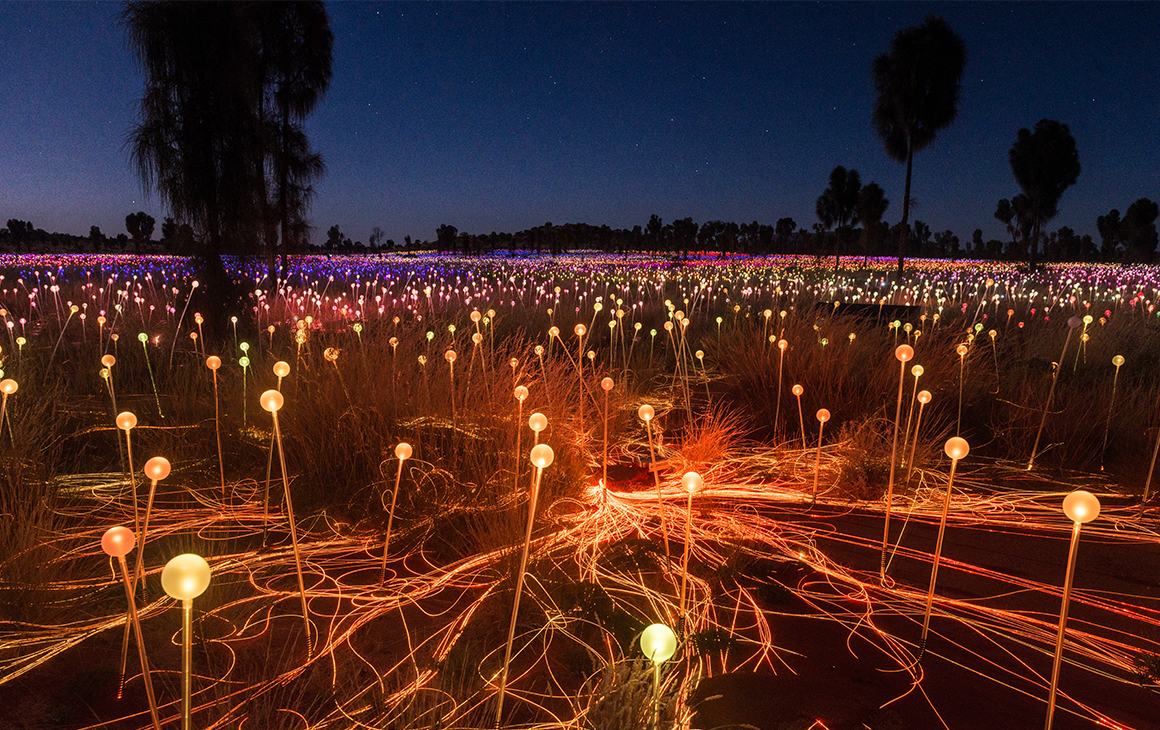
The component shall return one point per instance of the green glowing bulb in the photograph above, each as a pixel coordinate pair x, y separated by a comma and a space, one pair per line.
430, 335
244, 362
143, 337
245, 346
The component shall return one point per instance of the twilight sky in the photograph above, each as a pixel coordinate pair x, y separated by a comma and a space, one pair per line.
495, 116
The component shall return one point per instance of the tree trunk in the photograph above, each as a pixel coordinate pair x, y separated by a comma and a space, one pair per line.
905, 207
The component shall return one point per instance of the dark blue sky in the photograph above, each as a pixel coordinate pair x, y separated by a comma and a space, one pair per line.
498, 116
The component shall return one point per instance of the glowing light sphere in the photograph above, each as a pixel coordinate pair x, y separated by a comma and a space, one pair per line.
823, 415
118, 541
956, 448
476, 316
542, 456
1118, 360
580, 330
142, 337
659, 643
1081, 506
924, 396
244, 347
331, 354
244, 362
554, 332
646, 413
608, 384
108, 361
521, 393
213, 362
450, 356
961, 350
917, 371
272, 401
157, 468
692, 482
403, 451
185, 577
126, 421
904, 353
782, 344
797, 390
476, 338
8, 386
537, 422
539, 350
281, 368
514, 363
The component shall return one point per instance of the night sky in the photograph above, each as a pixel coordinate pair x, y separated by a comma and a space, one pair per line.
498, 117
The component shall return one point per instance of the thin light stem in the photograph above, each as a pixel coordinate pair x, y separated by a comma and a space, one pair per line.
657, 478
293, 529
1047, 406
186, 661
893, 464
390, 520
519, 588
133, 618
942, 526
1062, 624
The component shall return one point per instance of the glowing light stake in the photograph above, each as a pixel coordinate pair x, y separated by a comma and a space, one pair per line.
797, 390
156, 469
1118, 360
659, 643
449, 356
144, 340
244, 362
184, 578
213, 362
693, 483
646, 414
541, 457
903, 353
923, 399
823, 416
273, 401
607, 384
917, 372
781, 345
108, 361
73, 309
126, 422
580, 330
961, 351
521, 395
1080, 507
8, 387
402, 452
281, 370
1071, 325
956, 448
117, 542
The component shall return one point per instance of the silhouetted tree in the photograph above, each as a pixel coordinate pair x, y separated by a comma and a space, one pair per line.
872, 205
1045, 163
917, 86
445, 237
1140, 230
1111, 234
140, 228
784, 228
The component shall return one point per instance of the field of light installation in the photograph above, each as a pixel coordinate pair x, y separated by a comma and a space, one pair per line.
844, 495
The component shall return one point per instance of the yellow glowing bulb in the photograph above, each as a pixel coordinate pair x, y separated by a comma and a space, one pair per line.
185, 577
281, 368
1118, 360
108, 361
659, 643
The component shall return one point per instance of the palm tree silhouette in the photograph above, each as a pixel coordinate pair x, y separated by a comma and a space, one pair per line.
917, 85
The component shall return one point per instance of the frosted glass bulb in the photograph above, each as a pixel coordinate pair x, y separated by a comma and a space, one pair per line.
157, 468
126, 420
272, 401
281, 368
692, 482
659, 643
1081, 506
646, 413
823, 415
185, 577
213, 362
956, 448
542, 456
118, 541
537, 422
904, 353
403, 451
